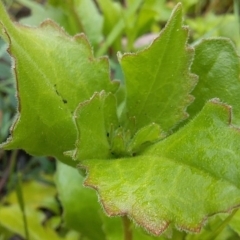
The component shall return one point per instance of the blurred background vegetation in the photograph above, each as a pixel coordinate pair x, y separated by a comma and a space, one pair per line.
111, 26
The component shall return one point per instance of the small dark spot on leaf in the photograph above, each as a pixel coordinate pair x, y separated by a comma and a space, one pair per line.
107, 134
64, 101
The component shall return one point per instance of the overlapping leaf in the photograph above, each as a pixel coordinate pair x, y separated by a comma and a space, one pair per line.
158, 80
81, 209
54, 73
99, 133
182, 180
218, 66
96, 120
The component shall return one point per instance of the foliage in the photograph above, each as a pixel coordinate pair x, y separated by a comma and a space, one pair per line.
116, 21
36, 195
160, 149
134, 19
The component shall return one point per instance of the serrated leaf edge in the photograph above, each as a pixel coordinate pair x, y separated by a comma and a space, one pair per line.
189, 50
165, 225
45, 24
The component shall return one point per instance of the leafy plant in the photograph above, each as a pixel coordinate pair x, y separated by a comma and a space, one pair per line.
114, 21
36, 195
166, 157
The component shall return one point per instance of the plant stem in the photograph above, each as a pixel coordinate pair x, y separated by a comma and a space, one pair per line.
127, 228
119, 27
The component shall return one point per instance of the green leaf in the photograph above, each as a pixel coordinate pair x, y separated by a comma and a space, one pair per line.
82, 211
235, 223
85, 215
145, 135
112, 13
217, 228
119, 27
89, 18
97, 122
54, 73
158, 81
73, 235
36, 195
40, 12
112, 227
181, 180
74, 15
212, 25
151, 11
96, 119
4, 233
11, 219
217, 64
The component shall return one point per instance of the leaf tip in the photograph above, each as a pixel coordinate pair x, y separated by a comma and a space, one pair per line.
177, 10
